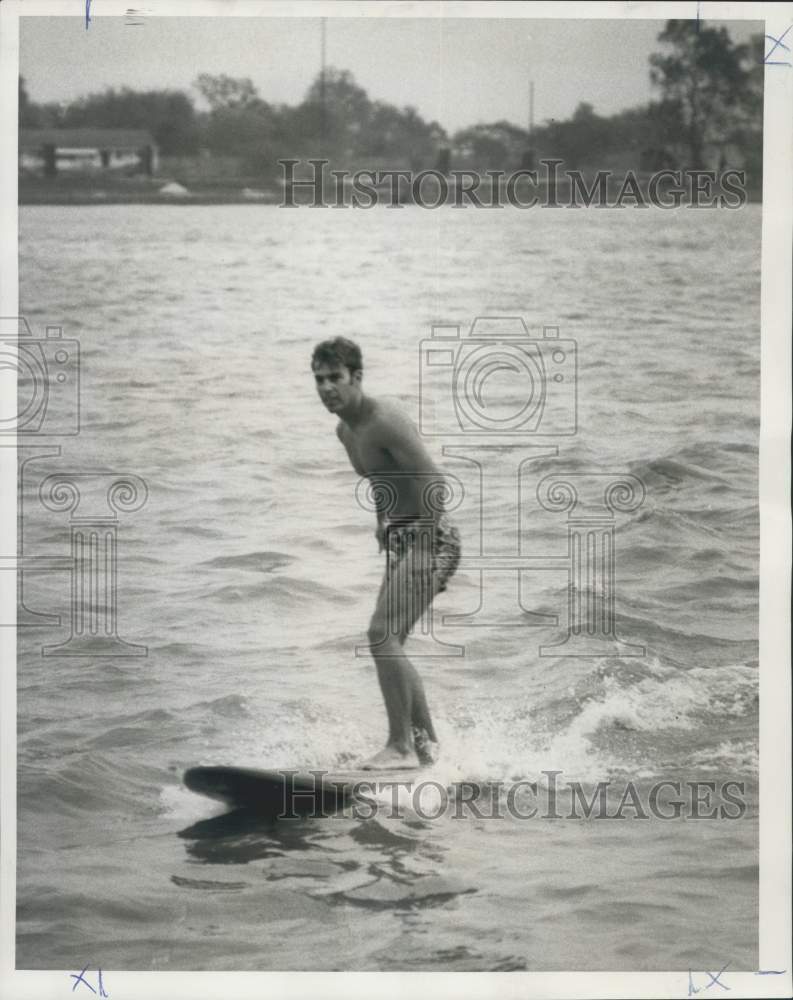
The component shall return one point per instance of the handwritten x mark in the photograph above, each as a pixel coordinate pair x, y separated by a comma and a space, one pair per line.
777, 43
714, 980
80, 979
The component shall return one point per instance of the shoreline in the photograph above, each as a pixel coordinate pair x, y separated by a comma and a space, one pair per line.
234, 198
167, 191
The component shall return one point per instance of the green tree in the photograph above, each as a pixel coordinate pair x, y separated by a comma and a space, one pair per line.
705, 79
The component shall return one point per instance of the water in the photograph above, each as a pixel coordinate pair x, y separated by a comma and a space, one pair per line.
250, 574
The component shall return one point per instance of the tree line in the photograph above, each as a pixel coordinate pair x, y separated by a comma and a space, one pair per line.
709, 105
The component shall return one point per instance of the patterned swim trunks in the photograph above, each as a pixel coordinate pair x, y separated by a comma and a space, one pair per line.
432, 548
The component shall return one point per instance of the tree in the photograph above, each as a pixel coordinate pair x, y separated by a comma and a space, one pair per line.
398, 136
239, 122
337, 119
227, 92
580, 142
704, 79
339, 111
28, 118
32, 115
168, 114
493, 146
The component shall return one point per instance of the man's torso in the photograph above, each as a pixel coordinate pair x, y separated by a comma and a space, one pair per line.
371, 459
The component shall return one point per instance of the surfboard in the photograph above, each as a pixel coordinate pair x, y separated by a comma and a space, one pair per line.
290, 793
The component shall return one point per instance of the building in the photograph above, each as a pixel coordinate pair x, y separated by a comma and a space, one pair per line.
86, 150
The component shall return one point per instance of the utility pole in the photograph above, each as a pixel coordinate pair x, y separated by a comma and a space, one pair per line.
531, 108
323, 112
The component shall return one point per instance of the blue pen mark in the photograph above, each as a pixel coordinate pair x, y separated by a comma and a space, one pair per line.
87, 13
714, 978
770, 972
699, 5
80, 978
778, 42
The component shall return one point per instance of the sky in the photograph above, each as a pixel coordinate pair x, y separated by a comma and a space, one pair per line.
457, 71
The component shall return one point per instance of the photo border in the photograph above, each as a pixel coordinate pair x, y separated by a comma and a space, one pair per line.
775, 545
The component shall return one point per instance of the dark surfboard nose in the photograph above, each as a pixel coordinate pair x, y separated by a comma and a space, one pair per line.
213, 782
284, 794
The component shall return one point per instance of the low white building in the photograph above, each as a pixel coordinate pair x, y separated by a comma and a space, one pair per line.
70, 150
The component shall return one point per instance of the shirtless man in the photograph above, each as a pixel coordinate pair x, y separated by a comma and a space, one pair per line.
384, 446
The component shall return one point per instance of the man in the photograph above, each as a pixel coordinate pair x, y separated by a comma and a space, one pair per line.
422, 545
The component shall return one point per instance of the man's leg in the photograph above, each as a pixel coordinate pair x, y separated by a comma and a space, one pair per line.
420, 715
402, 600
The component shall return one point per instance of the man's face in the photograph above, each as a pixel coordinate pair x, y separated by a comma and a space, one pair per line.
337, 385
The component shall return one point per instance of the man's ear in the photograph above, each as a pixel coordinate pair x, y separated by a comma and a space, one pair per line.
357, 376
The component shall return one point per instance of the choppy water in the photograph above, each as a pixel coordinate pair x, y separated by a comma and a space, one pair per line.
251, 572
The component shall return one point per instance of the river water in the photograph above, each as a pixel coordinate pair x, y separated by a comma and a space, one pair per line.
250, 572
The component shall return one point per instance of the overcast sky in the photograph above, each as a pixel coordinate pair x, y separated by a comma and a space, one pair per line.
456, 71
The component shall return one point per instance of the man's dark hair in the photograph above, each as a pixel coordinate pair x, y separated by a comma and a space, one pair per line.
338, 351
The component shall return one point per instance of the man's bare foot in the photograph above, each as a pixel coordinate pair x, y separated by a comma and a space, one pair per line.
427, 750
390, 757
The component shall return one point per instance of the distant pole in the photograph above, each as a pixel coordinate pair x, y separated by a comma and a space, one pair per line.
531, 108
322, 79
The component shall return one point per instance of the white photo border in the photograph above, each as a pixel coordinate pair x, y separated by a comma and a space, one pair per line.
775, 932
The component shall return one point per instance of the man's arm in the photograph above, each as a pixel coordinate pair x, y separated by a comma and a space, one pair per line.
380, 529
350, 454
399, 436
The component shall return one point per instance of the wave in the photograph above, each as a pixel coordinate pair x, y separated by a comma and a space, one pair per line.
227, 706
666, 473
701, 461
262, 562
286, 590
193, 530
93, 781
